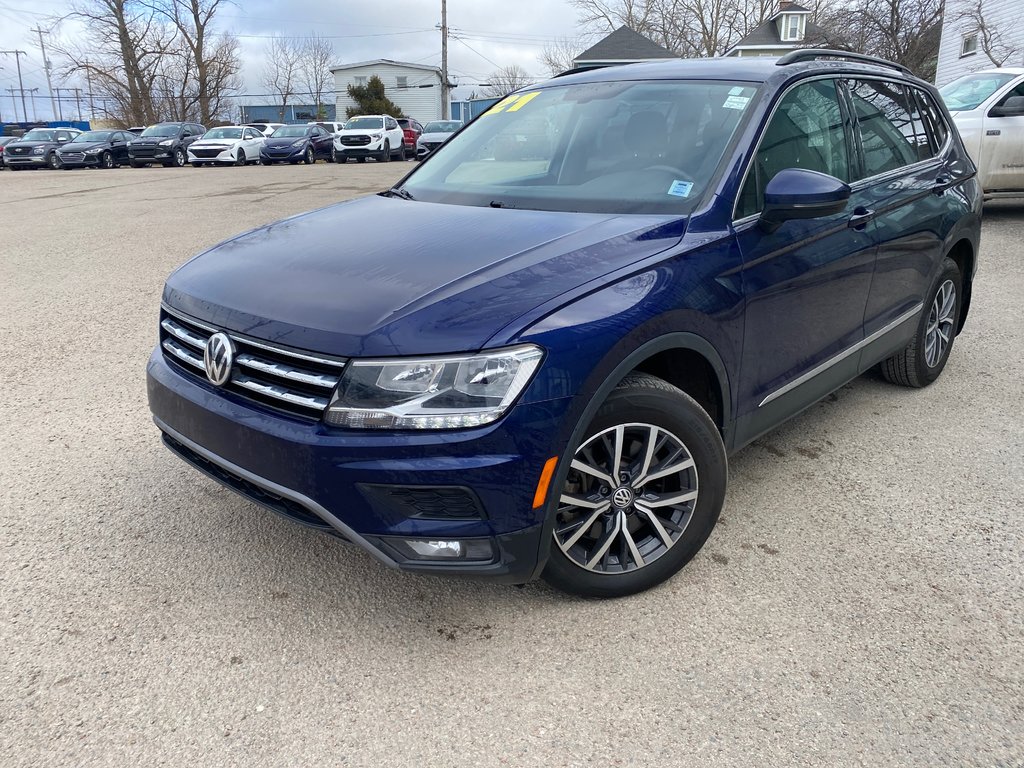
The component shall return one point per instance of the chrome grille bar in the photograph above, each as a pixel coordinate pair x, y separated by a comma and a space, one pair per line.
183, 354
287, 372
273, 390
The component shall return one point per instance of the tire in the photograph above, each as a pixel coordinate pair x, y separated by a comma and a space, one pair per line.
641, 412
309, 158
266, 162
360, 159
385, 156
107, 161
179, 158
334, 154
240, 159
924, 359
54, 162
197, 165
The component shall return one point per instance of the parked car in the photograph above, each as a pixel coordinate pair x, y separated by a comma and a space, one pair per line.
434, 135
4, 141
376, 136
164, 143
331, 127
265, 128
96, 149
552, 385
37, 148
411, 131
233, 144
292, 143
988, 109
136, 129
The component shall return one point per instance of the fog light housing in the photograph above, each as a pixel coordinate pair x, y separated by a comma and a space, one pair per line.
442, 550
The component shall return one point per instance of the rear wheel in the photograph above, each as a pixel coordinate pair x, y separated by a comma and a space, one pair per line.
334, 154
644, 490
925, 357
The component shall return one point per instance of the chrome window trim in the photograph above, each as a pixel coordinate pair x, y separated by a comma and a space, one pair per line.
822, 367
280, 490
859, 183
335, 362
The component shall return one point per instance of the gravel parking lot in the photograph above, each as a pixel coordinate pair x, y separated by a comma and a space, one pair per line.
859, 604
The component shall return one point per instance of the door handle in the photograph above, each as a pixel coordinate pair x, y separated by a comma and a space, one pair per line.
861, 217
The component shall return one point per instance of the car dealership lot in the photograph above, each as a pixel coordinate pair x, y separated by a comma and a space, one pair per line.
859, 603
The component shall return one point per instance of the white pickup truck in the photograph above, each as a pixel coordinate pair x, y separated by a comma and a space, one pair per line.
988, 110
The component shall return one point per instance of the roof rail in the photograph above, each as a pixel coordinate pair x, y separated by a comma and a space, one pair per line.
811, 54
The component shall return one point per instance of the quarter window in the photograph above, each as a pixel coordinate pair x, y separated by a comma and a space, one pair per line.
890, 135
807, 132
936, 123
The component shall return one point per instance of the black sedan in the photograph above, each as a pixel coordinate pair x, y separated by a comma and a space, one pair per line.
38, 148
96, 149
292, 143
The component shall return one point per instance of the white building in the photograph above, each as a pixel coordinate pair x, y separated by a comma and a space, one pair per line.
414, 88
965, 40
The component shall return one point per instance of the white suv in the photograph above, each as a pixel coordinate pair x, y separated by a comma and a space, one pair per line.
376, 136
988, 110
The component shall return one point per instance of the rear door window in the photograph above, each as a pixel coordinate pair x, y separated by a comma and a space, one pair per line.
806, 131
891, 135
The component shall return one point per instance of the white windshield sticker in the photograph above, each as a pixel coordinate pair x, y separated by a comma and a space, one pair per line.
736, 102
680, 188
737, 91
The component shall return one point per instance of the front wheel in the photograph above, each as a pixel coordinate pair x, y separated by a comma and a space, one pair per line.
643, 492
106, 160
923, 360
54, 162
385, 156
309, 158
179, 158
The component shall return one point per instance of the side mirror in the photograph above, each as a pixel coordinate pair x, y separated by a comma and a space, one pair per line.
795, 193
1012, 107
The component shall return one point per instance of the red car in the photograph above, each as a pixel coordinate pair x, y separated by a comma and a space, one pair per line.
412, 130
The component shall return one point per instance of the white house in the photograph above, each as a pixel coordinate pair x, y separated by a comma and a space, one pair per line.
414, 88
786, 30
972, 41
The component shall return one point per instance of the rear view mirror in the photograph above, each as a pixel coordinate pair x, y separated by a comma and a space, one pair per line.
1012, 107
795, 193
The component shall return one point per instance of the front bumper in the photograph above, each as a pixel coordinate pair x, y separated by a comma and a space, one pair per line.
29, 161
367, 150
324, 477
159, 156
226, 156
86, 161
283, 156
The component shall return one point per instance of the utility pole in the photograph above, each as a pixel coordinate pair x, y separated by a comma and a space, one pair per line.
444, 59
35, 115
14, 101
46, 67
21, 85
88, 83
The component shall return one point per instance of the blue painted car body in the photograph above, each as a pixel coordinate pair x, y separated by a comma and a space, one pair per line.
601, 294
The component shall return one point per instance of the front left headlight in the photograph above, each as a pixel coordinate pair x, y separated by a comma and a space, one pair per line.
94, 151
432, 392
166, 142
38, 150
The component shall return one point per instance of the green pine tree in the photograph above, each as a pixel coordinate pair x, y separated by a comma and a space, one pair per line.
370, 100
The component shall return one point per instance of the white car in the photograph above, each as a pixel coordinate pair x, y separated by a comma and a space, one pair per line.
265, 128
434, 135
988, 110
376, 136
335, 128
235, 144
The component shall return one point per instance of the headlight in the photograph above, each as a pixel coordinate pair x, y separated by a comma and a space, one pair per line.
131, 143
298, 143
376, 135
94, 151
432, 392
38, 150
166, 142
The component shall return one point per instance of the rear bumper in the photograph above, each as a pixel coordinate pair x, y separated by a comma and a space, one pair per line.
324, 478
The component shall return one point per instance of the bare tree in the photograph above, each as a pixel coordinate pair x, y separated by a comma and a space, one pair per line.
990, 36
505, 80
282, 72
317, 55
558, 56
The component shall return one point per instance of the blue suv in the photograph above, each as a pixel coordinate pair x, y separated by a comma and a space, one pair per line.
533, 355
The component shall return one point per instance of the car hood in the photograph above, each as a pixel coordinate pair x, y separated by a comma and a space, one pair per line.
14, 144
433, 137
358, 131
214, 143
384, 276
82, 146
284, 142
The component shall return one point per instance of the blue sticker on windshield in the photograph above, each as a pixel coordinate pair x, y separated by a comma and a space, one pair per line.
680, 188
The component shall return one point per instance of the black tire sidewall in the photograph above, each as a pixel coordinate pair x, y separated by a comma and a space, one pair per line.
673, 410
924, 373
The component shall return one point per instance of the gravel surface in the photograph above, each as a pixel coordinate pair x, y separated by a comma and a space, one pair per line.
859, 604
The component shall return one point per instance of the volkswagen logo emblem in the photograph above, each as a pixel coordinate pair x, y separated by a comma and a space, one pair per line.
218, 357
622, 497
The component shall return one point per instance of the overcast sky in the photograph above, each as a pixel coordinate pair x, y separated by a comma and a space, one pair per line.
485, 34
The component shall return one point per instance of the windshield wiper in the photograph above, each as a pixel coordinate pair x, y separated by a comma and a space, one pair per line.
401, 192
499, 204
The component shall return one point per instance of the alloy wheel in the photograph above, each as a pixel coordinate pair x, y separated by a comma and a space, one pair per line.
939, 330
629, 496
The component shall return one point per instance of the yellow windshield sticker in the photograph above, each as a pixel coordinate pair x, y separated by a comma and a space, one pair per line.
512, 103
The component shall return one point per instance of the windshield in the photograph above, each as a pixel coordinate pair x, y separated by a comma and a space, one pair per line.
223, 133
442, 126
969, 91
92, 136
290, 131
364, 123
161, 130
37, 135
620, 147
